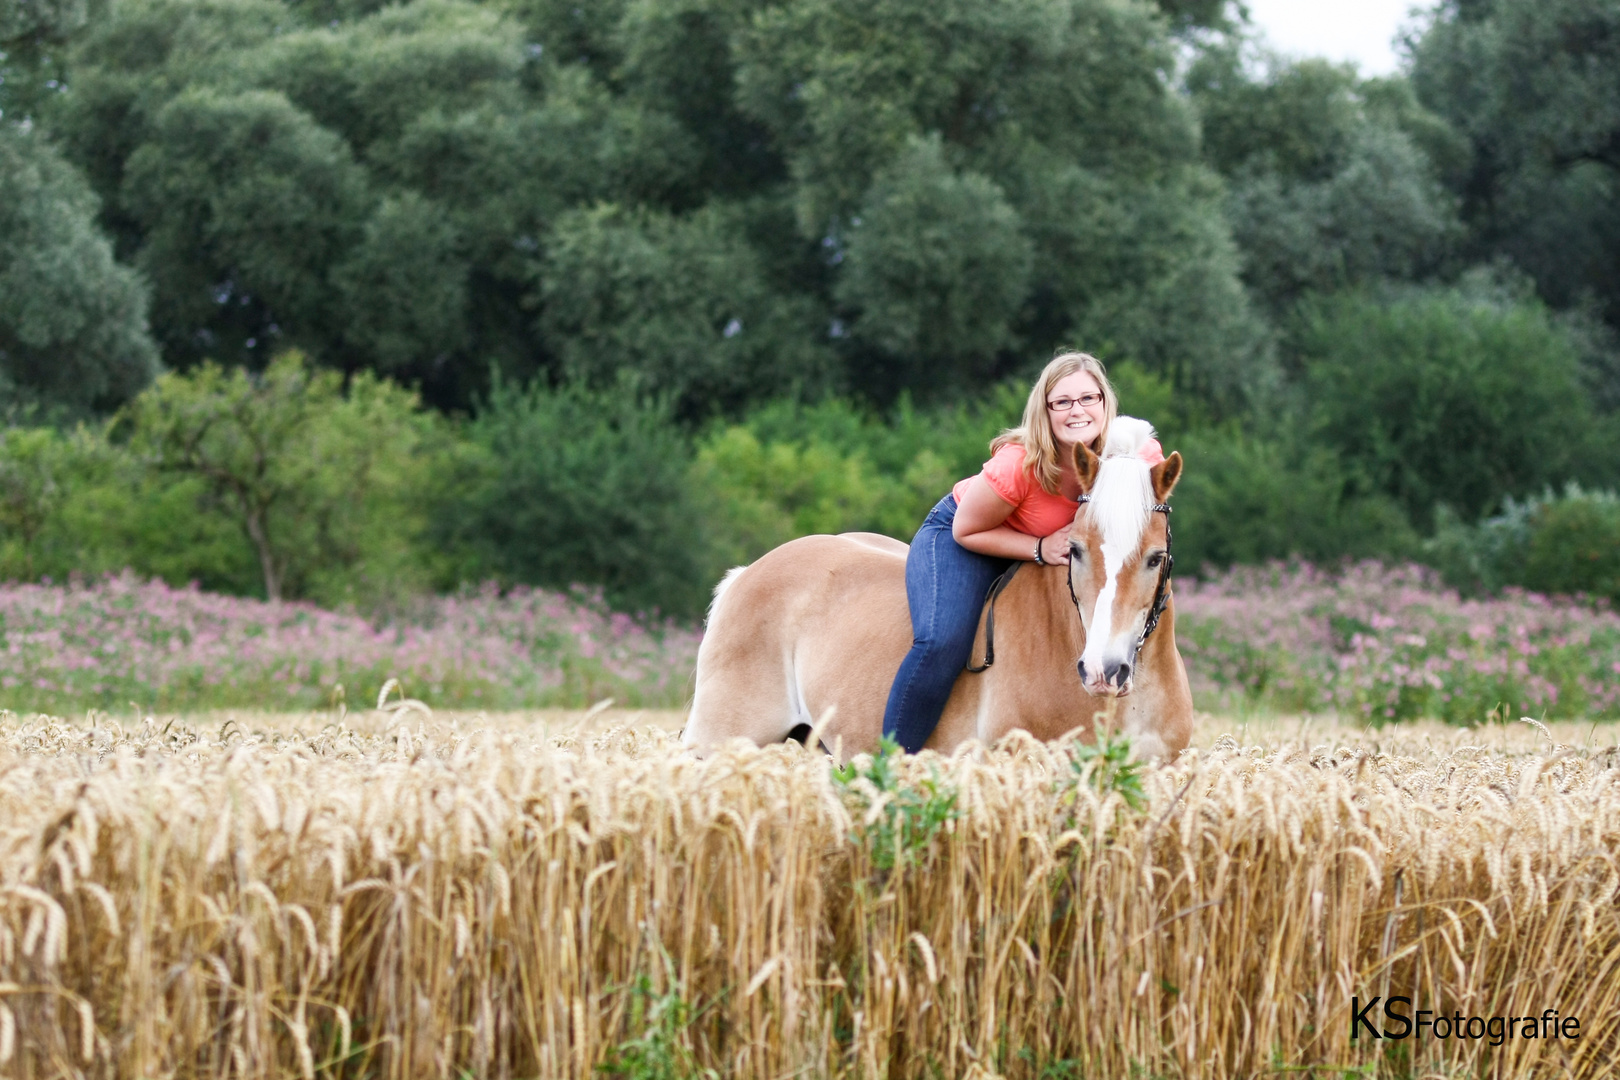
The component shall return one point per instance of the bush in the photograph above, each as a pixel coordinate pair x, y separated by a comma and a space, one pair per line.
1247, 499
790, 469
1444, 396
1568, 544
581, 485
76, 504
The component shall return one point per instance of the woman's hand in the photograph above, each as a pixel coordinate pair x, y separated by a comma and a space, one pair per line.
1055, 548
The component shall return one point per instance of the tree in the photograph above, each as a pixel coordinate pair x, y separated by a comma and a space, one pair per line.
588, 486
1062, 106
1332, 180
322, 483
31, 34
1535, 88
1452, 396
72, 320
678, 306
936, 269
246, 205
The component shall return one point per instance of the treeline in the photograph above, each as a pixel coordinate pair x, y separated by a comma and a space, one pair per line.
624, 292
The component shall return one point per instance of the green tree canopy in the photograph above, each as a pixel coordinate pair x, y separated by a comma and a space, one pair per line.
1333, 180
880, 195
1534, 85
322, 483
72, 321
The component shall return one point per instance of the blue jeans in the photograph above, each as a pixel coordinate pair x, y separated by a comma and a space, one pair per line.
945, 588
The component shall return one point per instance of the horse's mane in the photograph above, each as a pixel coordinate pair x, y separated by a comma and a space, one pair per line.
1122, 496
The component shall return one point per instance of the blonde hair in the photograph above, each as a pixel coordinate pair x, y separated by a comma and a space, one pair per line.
1035, 433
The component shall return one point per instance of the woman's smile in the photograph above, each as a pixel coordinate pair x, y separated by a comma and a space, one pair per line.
1076, 408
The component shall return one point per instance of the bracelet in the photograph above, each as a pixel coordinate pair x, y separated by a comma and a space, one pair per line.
1038, 560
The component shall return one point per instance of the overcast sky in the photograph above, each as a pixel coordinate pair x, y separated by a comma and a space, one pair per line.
1359, 30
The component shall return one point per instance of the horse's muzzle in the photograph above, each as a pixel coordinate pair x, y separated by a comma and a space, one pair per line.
1113, 681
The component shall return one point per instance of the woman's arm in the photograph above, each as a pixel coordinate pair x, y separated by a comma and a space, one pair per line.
978, 527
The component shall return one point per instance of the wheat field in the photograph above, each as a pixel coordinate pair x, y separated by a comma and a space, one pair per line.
404, 894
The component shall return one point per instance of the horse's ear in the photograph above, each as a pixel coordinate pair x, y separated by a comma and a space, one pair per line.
1086, 465
1165, 474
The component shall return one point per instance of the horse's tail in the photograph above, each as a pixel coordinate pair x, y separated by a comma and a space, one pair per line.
720, 593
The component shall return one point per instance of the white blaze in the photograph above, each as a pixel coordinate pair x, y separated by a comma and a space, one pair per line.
1120, 503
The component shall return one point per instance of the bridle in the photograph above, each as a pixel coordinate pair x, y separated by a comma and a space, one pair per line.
1161, 592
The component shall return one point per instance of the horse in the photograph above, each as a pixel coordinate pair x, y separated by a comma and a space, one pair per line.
813, 632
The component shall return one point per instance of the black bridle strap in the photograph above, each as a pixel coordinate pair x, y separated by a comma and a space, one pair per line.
1161, 595
1161, 591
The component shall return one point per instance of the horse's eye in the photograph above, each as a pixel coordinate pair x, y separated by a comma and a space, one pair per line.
1155, 560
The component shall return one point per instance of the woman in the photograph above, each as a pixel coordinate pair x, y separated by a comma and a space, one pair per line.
1019, 507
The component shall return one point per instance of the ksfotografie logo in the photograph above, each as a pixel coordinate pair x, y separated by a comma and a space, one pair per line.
1425, 1023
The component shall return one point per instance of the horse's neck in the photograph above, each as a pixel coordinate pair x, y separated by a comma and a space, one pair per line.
1045, 611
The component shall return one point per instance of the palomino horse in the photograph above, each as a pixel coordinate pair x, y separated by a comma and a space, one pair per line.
815, 630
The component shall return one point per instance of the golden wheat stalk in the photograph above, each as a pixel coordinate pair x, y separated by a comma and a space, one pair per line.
425, 898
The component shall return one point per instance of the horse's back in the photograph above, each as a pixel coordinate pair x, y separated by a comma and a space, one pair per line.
820, 622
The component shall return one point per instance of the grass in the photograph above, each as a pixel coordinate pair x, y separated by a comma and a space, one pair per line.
401, 893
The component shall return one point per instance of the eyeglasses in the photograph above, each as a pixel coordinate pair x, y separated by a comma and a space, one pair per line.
1064, 404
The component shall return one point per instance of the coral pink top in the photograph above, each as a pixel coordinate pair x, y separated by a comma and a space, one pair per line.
1035, 511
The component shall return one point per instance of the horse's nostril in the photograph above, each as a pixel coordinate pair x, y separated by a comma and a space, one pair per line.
1117, 673
1081, 667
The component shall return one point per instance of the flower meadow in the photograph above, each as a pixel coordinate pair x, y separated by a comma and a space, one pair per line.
1368, 642
120, 641
1385, 643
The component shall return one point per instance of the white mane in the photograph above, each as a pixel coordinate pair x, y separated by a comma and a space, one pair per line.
1122, 496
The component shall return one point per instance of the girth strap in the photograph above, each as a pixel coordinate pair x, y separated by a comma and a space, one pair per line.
996, 589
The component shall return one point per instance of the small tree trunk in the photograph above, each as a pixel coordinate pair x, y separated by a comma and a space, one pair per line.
260, 535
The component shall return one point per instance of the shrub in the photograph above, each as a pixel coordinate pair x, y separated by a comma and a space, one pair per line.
328, 484
580, 485
1247, 499
1567, 543
1444, 396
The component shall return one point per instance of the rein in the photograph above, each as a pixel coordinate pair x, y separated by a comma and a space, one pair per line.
1161, 593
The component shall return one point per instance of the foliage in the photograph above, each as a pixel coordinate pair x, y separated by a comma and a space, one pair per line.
31, 488
730, 201
1333, 180
660, 1051
788, 470
1565, 543
899, 816
1535, 89
1105, 764
763, 268
99, 509
682, 306
325, 485
72, 321
1327, 189
1247, 498
575, 484
937, 268
1444, 396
